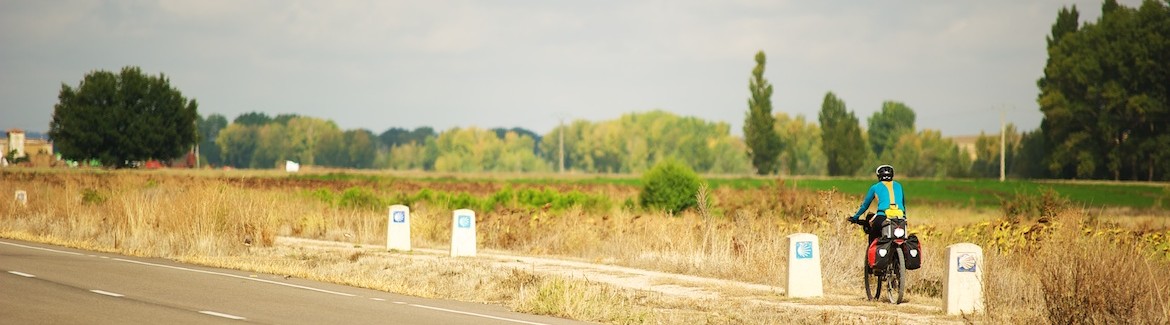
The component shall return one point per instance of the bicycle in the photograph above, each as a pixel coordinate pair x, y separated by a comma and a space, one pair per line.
889, 259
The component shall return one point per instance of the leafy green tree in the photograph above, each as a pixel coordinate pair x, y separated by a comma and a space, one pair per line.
888, 125
763, 143
635, 141
802, 155
208, 131
1029, 162
284, 118
237, 143
393, 137
928, 154
986, 163
253, 119
410, 156
123, 118
361, 148
330, 150
502, 132
305, 135
845, 150
399, 136
573, 133
272, 146
477, 150
1104, 96
728, 156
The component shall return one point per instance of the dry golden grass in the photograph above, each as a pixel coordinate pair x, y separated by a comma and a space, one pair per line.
1033, 269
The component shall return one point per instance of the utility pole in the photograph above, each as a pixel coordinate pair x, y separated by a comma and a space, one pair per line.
562, 145
1002, 143
197, 143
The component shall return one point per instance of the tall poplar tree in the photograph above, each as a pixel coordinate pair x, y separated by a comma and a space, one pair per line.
763, 144
841, 137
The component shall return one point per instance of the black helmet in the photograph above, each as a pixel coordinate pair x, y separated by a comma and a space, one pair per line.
885, 173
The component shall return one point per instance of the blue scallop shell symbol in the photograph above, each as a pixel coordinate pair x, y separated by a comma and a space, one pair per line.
804, 249
399, 216
464, 221
966, 263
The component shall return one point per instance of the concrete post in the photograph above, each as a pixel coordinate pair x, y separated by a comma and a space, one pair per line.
21, 197
804, 266
398, 228
963, 285
463, 233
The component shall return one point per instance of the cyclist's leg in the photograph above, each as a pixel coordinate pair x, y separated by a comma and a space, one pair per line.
875, 228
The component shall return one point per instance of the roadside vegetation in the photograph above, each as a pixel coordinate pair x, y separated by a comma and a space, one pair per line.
1052, 260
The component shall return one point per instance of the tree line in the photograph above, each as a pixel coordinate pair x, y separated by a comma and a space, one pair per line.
1103, 93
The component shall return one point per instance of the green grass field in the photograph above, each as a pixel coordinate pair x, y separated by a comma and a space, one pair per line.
990, 193
986, 193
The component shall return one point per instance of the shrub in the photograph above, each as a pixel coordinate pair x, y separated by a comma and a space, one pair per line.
464, 200
91, 196
324, 195
670, 185
359, 198
1046, 204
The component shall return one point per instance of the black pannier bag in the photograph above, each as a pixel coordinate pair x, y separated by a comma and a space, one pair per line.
879, 253
912, 251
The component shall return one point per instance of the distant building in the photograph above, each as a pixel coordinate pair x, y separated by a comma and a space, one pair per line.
38, 151
966, 143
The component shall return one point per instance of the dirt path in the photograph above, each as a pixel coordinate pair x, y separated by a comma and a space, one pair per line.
678, 285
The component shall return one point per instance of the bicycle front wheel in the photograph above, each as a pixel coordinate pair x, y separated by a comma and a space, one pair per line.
896, 278
873, 284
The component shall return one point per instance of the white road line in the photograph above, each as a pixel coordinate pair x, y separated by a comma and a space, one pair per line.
236, 276
111, 294
22, 274
212, 313
477, 315
191, 270
40, 248
270, 282
378, 299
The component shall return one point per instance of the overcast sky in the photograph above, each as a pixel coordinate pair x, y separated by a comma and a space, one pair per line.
444, 64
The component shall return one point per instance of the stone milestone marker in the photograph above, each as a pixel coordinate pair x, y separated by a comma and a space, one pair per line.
398, 228
804, 266
21, 197
963, 285
463, 233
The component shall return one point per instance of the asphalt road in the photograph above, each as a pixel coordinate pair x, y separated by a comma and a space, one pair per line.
43, 284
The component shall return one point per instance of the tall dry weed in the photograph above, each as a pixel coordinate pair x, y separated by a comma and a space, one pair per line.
1089, 279
140, 214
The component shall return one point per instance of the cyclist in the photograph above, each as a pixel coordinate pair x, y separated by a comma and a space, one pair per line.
882, 190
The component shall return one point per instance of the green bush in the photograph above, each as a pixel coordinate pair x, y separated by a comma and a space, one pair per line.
323, 194
1045, 204
359, 198
670, 185
91, 196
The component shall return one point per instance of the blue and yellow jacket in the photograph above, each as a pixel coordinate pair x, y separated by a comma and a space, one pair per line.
881, 190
